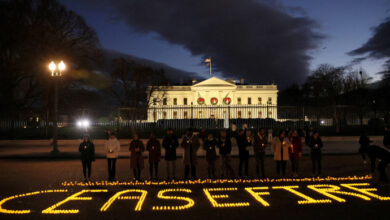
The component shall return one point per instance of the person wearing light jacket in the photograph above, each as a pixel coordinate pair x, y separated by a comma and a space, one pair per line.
280, 148
112, 148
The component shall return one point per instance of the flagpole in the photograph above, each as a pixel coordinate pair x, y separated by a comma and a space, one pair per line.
210, 66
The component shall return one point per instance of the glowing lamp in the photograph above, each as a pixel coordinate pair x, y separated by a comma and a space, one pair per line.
52, 66
61, 66
84, 123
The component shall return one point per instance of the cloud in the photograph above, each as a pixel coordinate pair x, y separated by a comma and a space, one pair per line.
260, 41
378, 46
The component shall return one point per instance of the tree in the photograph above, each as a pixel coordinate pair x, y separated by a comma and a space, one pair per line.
291, 96
384, 87
38, 31
334, 86
133, 85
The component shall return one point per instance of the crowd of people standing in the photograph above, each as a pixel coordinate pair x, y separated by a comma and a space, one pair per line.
285, 146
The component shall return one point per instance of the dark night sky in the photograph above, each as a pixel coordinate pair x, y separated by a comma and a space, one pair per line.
262, 41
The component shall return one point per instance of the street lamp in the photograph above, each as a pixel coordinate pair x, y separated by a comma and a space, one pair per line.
56, 72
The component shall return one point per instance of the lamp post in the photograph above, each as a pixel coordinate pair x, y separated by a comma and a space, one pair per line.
56, 73
374, 105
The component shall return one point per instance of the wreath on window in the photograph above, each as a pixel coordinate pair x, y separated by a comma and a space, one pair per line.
200, 101
227, 100
214, 101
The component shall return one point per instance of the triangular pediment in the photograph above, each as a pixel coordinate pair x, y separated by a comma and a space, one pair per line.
214, 82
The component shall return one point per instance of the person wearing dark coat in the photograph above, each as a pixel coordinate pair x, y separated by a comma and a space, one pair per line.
154, 148
170, 143
386, 137
108, 134
209, 146
190, 143
309, 134
136, 158
364, 142
295, 151
316, 154
224, 145
243, 142
203, 135
376, 152
259, 145
87, 150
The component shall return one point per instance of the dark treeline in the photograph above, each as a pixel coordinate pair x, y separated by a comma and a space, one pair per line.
35, 32
333, 87
329, 85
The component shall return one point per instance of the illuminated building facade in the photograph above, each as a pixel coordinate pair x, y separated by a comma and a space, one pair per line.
213, 98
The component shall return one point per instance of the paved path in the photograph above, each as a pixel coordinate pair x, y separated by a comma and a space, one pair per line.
22, 176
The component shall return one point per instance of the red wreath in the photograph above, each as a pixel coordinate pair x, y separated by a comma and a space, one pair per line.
214, 101
227, 100
200, 101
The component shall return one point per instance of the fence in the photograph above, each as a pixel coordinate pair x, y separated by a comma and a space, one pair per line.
329, 120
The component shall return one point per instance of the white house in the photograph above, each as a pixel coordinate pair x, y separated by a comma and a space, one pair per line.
212, 98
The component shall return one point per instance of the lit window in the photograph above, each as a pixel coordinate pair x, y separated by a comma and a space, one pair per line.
185, 101
238, 114
185, 115
249, 101
174, 115
269, 113
175, 101
239, 101
259, 100
260, 114
249, 114
164, 115
165, 101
